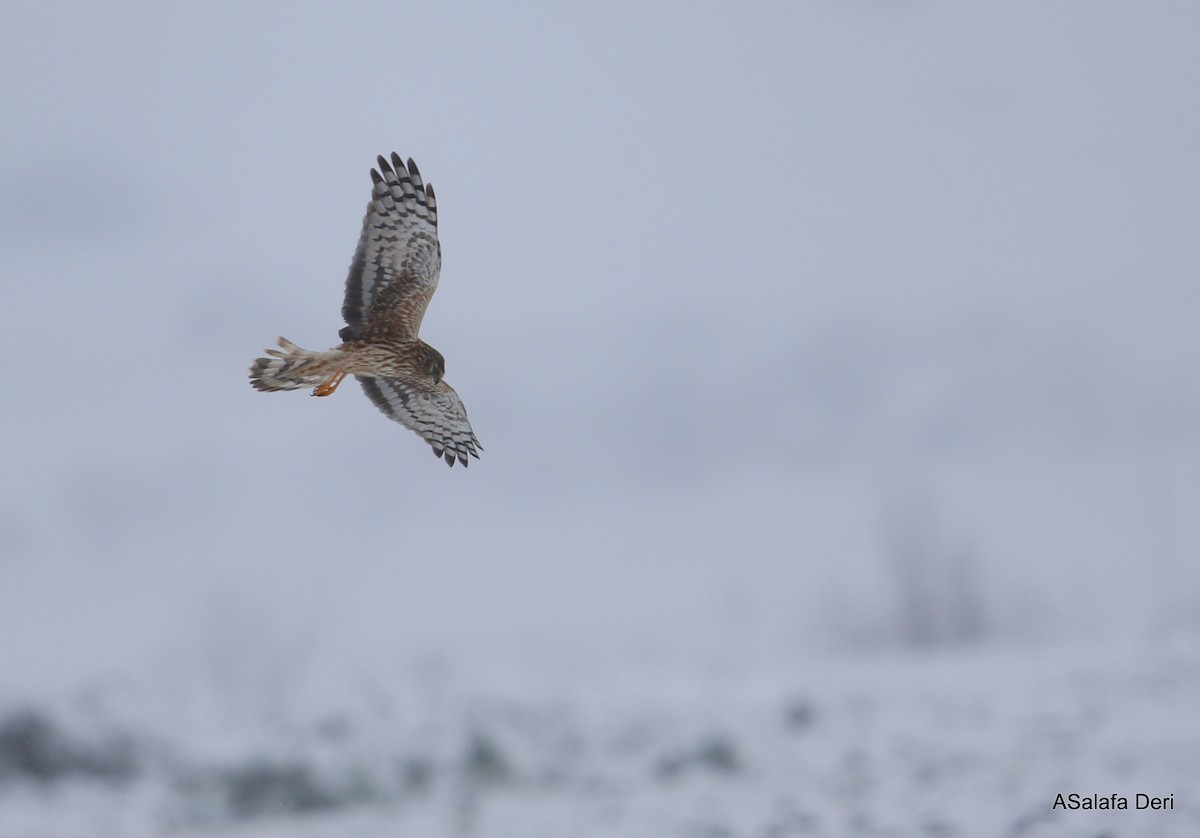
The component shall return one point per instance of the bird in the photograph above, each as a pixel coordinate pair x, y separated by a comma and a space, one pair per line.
391, 280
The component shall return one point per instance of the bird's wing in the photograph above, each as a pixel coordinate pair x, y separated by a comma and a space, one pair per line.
395, 268
434, 411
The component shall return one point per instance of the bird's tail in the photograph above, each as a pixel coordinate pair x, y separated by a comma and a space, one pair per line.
292, 367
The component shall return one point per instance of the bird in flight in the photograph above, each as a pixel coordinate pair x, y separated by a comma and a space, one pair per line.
392, 278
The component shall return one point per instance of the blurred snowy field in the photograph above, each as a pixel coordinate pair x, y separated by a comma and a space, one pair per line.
836, 365
947, 745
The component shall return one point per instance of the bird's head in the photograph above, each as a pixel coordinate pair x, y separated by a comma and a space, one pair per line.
433, 364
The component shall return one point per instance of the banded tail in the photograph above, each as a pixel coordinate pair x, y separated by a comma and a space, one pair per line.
293, 367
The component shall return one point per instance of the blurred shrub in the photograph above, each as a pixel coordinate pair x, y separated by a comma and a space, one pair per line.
266, 787
716, 754
33, 747
485, 763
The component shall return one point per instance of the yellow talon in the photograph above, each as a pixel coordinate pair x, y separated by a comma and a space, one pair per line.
326, 387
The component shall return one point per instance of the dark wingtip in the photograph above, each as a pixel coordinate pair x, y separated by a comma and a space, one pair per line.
383, 163
376, 177
397, 161
412, 168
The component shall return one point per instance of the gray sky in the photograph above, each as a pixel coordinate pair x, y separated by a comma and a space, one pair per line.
725, 289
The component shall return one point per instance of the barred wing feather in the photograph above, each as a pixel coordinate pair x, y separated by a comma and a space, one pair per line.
396, 266
435, 412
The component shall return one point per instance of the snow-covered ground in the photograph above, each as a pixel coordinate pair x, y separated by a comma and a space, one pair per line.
945, 744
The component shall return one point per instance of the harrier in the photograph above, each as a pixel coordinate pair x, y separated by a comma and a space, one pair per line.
392, 278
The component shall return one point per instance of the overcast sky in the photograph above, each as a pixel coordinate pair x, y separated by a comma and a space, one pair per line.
726, 289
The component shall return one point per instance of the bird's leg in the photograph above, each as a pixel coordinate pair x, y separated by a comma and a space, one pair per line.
326, 387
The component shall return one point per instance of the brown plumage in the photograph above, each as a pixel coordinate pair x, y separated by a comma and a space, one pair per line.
391, 280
